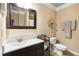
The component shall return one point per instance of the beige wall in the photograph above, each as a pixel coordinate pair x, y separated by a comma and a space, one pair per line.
43, 15
70, 13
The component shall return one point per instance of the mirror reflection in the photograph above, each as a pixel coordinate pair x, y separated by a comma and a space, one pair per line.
22, 17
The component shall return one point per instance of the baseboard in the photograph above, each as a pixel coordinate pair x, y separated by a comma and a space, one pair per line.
75, 53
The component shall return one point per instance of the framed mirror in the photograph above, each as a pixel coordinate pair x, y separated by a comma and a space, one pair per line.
20, 18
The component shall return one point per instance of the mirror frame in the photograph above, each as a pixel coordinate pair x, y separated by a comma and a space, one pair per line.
8, 20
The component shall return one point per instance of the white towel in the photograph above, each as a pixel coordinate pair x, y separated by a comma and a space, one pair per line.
67, 29
73, 24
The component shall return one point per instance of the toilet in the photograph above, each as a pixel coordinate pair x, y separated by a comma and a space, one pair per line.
58, 48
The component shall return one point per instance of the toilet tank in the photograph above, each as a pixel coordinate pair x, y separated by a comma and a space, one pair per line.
52, 40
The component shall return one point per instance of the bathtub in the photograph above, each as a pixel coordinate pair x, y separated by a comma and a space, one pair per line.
13, 45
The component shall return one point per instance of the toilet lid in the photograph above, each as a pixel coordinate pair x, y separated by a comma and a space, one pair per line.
60, 46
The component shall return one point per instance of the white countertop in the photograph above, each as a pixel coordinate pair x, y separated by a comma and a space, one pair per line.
12, 46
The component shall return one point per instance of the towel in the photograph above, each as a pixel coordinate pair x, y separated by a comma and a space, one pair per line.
67, 29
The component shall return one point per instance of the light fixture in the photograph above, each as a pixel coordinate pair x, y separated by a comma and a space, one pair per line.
24, 5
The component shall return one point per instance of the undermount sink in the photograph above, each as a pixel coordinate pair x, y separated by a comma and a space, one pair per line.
19, 40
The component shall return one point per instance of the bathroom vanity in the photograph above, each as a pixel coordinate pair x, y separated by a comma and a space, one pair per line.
29, 47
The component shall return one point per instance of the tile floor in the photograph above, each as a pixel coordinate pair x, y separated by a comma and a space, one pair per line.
65, 53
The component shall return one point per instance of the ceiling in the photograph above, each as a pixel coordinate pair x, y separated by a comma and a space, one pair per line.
57, 4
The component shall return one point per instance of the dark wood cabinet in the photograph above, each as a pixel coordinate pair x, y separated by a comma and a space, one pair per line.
34, 50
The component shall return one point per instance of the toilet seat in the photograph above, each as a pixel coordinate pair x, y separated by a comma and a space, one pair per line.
60, 47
